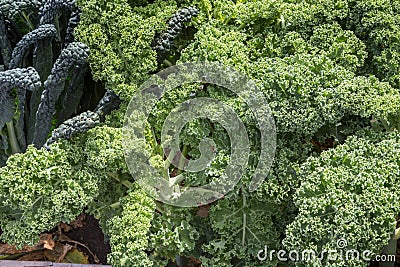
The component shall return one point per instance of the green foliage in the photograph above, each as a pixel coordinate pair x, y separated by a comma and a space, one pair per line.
105, 156
370, 98
329, 71
305, 56
120, 39
41, 188
301, 91
341, 46
350, 193
376, 23
13, 90
129, 230
214, 42
172, 233
242, 225
31, 116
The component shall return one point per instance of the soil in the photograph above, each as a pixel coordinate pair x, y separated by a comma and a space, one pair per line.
84, 234
92, 236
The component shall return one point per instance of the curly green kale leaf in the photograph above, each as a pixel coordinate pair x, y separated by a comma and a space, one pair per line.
377, 24
128, 231
41, 188
341, 46
349, 192
120, 38
172, 233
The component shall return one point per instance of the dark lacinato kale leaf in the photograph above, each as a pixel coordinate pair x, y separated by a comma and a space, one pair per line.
108, 103
71, 59
13, 86
44, 31
72, 24
164, 42
70, 102
50, 11
79, 124
13, 8
87, 120
22, 80
52, 8
5, 45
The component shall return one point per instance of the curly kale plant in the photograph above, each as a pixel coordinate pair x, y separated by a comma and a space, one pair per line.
328, 70
348, 193
50, 186
128, 231
40, 188
312, 64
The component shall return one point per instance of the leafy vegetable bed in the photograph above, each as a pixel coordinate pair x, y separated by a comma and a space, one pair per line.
327, 69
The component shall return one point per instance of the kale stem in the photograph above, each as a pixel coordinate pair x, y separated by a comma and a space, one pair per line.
127, 184
182, 160
114, 176
244, 217
13, 138
57, 24
155, 140
160, 207
168, 63
115, 205
176, 180
28, 21
242, 26
168, 163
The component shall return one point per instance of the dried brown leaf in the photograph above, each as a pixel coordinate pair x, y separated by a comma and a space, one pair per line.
79, 222
57, 251
46, 241
64, 238
65, 227
33, 256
